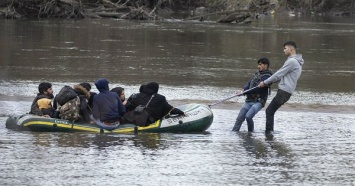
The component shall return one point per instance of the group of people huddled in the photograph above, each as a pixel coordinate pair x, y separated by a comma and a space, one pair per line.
108, 108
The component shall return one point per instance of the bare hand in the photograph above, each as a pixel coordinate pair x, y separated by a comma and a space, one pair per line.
240, 92
261, 84
124, 102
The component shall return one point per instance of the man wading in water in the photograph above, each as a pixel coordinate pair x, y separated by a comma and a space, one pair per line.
287, 76
256, 98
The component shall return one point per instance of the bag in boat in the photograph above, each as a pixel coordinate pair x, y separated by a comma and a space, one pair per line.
65, 94
139, 109
138, 116
70, 110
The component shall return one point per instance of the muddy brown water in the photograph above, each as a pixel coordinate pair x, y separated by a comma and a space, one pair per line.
200, 62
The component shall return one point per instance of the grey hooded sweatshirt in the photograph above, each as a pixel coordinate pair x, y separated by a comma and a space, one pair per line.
288, 74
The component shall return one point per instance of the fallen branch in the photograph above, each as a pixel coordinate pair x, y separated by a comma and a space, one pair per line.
217, 13
236, 17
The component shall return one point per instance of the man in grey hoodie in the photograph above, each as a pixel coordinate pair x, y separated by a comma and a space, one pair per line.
287, 77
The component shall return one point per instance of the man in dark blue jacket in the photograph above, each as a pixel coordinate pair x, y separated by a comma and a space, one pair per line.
256, 98
107, 107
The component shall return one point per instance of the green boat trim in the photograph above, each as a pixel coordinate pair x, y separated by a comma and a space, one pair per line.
198, 118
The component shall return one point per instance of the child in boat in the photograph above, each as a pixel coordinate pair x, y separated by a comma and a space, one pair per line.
42, 105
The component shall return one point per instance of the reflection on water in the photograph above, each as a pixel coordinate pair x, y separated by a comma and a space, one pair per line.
141, 141
306, 148
254, 147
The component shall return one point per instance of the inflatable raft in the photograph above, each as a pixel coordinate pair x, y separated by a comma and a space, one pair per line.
198, 118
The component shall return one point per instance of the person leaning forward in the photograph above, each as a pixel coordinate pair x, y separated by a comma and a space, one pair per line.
287, 76
156, 105
256, 98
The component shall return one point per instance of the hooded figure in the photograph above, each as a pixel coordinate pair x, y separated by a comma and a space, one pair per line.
287, 77
151, 88
133, 96
155, 104
107, 106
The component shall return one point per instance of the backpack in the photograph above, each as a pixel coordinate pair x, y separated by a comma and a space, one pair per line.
65, 94
70, 110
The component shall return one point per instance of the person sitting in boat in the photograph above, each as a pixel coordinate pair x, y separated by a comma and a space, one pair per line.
133, 96
42, 105
87, 86
155, 105
107, 107
121, 93
84, 95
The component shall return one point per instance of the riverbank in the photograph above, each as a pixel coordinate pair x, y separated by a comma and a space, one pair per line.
226, 11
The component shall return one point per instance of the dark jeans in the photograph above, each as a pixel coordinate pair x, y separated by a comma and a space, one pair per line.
281, 98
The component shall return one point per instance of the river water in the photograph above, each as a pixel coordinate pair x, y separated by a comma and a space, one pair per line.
199, 62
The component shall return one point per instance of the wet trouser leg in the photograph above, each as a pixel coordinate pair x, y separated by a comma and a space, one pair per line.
254, 109
247, 112
241, 116
281, 98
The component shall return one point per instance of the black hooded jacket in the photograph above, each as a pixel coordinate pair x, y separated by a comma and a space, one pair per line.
158, 107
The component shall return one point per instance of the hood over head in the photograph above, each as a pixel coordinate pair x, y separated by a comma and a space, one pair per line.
102, 84
299, 58
141, 88
151, 88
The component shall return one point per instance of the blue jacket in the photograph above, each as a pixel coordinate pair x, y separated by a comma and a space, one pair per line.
107, 106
